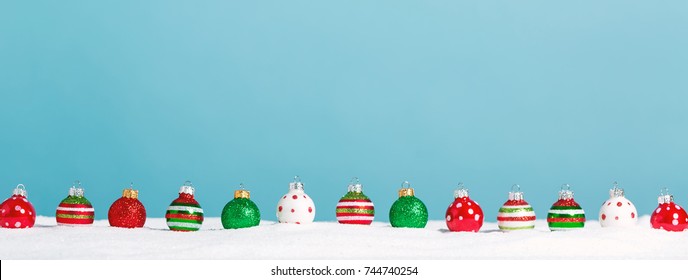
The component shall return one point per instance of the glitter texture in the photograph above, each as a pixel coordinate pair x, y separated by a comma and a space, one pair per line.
240, 213
408, 212
127, 213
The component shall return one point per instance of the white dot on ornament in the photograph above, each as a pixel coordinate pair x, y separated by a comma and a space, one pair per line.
448, 218
17, 208
674, 222
30, 213
658, 210
477, 217
675, 215
22, 211
18, 224
668, 208
678, 207
458, 205
460, 217
470, 211
469, 204
14, 198
7, 224
24, 199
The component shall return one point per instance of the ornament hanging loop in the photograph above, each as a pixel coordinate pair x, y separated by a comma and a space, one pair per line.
296, 184
355, 185
566, 193
616, 191
76, 189
665, 196
515, 193
19, 190
460, 191
242, 192
187, 188
406, 189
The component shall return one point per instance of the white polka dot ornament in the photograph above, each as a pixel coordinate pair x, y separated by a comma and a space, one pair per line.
295, 207
17, 211
618, 211
464, 214
669, 216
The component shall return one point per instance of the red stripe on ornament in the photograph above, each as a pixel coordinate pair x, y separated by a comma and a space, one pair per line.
74, 221
356, 207
66, 205
515, 202
516, 219
184, 216
565, 220
356, 222
354, 200
354, 215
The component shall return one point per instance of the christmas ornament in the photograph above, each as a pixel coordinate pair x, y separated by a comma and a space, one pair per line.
565, 214
464, 214
17, 211
355, 207
127, 211
516, 213
240, 212
184, 213
408, 211
617, 211
295, 206
75, 209
668, 215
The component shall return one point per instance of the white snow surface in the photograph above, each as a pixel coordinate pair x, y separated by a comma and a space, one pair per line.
330, 240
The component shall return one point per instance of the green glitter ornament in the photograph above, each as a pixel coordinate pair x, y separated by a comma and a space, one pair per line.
408, 211
241, 212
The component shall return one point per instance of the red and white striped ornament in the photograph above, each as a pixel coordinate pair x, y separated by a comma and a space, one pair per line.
75, 209
516, 213
355, 207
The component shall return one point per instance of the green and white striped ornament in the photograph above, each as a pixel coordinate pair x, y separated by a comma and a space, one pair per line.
185, 214
565, 214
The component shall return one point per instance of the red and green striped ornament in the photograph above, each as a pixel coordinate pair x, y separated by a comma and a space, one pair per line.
565, 214
75, 209
185, 214
516, 213
355, 207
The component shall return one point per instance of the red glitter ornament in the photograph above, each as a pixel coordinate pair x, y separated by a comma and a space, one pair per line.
17, 211
464, 214
668, 215
127, 211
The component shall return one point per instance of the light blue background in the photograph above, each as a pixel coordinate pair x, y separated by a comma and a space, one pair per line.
490, 93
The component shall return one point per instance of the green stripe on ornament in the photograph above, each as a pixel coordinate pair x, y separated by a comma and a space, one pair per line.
356, 211
184, 212
566, 208
566, 225
183, 228
565, 215
516, 228
355, 195
184, 221
514, 210
70, 216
